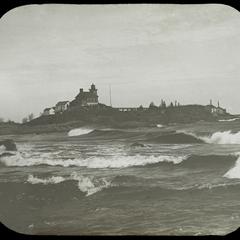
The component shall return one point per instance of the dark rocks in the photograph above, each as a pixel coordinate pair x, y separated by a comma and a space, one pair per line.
9, 145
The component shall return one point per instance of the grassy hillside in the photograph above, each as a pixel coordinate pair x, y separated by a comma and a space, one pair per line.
104, 116
113, 117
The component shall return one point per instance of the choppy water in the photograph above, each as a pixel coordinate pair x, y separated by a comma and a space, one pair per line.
95, 182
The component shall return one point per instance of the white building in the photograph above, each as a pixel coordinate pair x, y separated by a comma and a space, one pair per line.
48, 111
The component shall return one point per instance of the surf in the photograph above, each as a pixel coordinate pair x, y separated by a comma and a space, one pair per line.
225, 137
234, 172
79, 131
86, 184
115, 161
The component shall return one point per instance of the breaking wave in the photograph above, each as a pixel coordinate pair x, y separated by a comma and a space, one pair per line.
90, 184
111, 134
86, 184
234, 172
2, 149
226, 137
51, 180
228, 120
176, 138
79, 131
92, 162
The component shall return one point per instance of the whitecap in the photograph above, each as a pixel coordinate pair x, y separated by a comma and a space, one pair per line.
228, 120
51, 180
225, 137
90, 184
2, 149
116, 161
86, 184
220, 137
79, 131
235, 171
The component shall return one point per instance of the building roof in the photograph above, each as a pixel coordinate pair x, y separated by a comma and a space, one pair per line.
47, 109
86, 94
62, 103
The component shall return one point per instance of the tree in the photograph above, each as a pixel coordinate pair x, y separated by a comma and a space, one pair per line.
1, 120
30, 117
152, 105
25, 120
164, 105
161, 104
171, 105
141, 107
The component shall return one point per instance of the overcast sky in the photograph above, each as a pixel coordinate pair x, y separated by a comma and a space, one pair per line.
189, 53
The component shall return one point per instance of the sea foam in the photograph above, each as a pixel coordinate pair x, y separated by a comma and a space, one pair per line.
86, 184
90, 184
226, 137
121, 161
79, 131
50, 180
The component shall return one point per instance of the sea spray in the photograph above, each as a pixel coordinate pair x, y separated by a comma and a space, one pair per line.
226, 137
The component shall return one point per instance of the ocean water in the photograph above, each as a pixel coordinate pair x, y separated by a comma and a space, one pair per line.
179, 181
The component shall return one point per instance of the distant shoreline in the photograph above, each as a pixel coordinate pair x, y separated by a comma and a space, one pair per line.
64, 123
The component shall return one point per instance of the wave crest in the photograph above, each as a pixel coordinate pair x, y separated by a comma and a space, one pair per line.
228, 120
51, 180
235, 171
79, 131
90, 185
86, 184
226, 137
179, 137
92, 162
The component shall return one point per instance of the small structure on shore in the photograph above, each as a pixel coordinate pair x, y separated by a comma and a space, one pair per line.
215, 110
48, 111
61, 106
